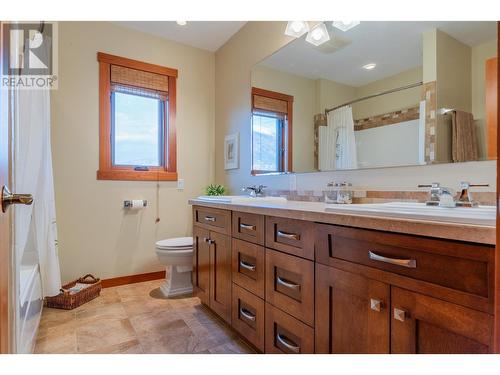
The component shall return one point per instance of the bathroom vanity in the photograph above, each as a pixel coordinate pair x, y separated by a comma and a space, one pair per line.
292, 278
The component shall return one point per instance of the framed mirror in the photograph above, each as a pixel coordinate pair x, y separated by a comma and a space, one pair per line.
380, 94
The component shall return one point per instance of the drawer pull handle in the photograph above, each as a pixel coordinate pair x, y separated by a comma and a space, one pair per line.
287, 284
247, 226
247, 314
210, 218
287, 343
289, 236
409, 263
247, 266
399, 315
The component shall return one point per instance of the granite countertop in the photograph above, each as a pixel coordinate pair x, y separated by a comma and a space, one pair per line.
315, 211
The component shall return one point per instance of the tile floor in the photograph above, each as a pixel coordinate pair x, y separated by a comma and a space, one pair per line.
127, 319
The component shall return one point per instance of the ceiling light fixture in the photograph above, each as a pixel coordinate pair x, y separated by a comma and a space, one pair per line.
345, 25
296, 28
369, 66
181, 23
318, 35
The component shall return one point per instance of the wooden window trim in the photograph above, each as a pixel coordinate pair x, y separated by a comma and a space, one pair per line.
289, 135
107, 171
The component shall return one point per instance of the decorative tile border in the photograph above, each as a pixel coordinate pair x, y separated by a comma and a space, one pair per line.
390, 118
370, 196
428, 94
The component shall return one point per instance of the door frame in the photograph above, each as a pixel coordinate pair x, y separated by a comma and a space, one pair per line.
5, 218
496, 297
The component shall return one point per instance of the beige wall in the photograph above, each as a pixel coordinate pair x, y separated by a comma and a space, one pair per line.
303, 91
233, 65
390, 102
480, 54
96, 234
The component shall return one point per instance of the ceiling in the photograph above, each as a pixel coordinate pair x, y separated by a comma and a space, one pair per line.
393, 46
208, 35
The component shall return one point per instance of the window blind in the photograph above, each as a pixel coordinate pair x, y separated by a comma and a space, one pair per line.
139, 79
270, 104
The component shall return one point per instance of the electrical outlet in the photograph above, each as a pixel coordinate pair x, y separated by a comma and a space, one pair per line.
180, 184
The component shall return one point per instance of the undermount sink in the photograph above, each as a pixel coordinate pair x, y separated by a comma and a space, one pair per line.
241, 199
482, 215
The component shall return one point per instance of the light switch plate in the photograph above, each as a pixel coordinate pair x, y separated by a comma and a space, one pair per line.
180, 184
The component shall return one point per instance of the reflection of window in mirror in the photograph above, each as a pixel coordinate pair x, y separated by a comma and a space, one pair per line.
271, 131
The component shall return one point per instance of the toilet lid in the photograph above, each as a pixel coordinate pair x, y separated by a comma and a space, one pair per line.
179, 243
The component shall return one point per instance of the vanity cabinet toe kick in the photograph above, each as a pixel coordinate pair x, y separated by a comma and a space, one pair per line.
294, 286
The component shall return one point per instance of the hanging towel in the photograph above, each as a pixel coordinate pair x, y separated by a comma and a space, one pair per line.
345, 143
464, 141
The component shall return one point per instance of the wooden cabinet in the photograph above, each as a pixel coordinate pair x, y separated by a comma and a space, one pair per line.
248, 316
212, 261
293, 286
201, 264
291, 236
426, 325
290, 285
352, 313
287, 335
220, 275
248, 266
248, 227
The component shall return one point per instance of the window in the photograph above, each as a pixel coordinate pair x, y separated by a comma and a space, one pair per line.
137, 120
271, 132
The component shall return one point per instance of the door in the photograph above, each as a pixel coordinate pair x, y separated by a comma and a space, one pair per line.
352, 314
220, 275
5, 218
426, 325
201, 264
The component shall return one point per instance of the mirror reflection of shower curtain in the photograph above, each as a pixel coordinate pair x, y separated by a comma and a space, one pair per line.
337, 143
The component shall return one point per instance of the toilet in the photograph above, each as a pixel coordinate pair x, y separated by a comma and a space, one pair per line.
177, 256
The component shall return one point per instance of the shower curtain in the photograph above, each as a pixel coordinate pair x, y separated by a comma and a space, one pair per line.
337, 144
35, 230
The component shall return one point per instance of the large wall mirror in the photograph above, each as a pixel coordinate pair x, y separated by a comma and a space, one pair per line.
380, 94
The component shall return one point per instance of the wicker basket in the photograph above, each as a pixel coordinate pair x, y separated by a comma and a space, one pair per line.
67, 301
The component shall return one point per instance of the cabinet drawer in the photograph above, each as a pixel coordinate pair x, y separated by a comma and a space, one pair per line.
248, 227
213, 219
456, 265
291, 236
287, 335
248, 266
290, 285
248, 316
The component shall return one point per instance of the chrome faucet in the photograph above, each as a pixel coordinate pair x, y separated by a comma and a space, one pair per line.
439, 195
465, 199
255, 191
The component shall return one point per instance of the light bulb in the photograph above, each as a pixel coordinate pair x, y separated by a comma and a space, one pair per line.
296, 28
181, 23
318, 35
369, 66
345, 25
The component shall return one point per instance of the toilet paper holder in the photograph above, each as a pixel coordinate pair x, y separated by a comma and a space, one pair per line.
129, 203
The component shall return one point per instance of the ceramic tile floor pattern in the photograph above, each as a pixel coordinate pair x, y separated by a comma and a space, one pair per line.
126, 319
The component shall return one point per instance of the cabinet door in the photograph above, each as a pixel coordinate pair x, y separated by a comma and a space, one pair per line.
220, 275
352, 313
422, 324
201, 264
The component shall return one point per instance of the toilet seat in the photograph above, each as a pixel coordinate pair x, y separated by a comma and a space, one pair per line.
175, 244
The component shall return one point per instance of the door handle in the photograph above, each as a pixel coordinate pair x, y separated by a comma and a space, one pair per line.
247, 314
408, 263
247, 226
376, 304
8, 199
287, 343
400, 314
287, 284
289, 236
247, 266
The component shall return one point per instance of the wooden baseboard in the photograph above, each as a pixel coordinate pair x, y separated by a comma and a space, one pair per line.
132, 279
